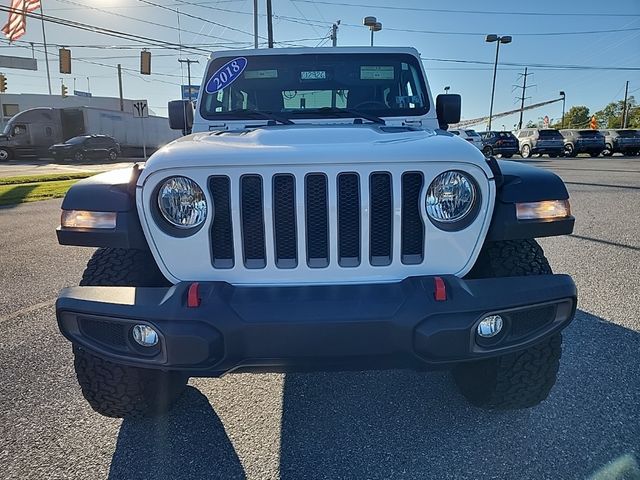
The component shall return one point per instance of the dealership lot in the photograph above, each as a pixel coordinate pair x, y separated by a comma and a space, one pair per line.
336, 425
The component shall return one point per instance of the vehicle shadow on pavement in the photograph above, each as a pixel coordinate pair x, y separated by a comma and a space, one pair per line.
405, 425
189, 442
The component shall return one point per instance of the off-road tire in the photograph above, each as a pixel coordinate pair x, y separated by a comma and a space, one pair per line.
120, 267
517, 380
119, 391
115, 390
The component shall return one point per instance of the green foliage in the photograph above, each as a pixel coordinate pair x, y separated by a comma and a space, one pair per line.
577, 116
611, 115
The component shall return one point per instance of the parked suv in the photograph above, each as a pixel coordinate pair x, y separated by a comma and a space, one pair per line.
86, 146
582, 141
314, 221
499, 143
626, 142
470, 136
535, 141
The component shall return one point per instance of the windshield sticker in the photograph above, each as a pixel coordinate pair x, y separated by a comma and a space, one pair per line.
313, 75
255, 74
376, 72
226, 75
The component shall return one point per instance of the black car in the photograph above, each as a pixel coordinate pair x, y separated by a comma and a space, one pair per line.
582, 141
86, 146
499, 143
626, 142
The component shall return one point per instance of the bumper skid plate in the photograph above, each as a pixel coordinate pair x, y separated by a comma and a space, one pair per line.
283, 328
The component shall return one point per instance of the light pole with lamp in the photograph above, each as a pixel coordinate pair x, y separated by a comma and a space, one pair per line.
563, 100
373, 24
498, 39
446, 89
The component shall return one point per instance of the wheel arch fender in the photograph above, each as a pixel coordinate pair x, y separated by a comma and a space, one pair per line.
112, 191
521, 183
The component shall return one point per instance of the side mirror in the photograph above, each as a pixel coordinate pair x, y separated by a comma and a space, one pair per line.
181, 115
448, 108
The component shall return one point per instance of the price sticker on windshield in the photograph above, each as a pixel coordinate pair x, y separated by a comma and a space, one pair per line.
226, 75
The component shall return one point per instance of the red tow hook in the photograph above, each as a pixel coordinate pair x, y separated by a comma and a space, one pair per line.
440, 293
193, 297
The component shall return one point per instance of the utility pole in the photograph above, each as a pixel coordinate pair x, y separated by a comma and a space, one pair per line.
269, 24
188, 61
255, 24
523, 97
624, 105
120, 87
334, 34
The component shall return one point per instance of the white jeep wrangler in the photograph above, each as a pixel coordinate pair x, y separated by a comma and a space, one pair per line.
319, 217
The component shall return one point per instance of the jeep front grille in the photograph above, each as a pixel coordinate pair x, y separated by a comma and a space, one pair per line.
300, 230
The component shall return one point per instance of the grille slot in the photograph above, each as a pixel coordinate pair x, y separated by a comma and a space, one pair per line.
252, 214
381, 219
317, 218
284, 221
412, 224
221, 228
348, 220
110, 334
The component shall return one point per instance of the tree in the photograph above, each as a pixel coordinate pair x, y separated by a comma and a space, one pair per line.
611, 115
578, 116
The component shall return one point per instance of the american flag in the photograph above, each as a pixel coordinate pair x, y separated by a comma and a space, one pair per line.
17, 24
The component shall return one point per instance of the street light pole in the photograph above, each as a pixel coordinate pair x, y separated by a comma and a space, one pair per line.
498, 40
373, 24
563, 100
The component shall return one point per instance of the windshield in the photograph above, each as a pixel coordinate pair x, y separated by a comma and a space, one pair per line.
627, 133
298, 86
549, 134
589, 133
472, 133
75, 140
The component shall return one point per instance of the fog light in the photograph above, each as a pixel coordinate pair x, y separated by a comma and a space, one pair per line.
145, 335
490, 326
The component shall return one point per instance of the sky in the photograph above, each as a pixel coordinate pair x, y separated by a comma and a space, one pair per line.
455, 34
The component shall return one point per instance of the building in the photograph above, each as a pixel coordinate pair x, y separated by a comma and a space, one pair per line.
13, 103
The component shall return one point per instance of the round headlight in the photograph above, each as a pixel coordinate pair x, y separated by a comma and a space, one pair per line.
450, 197
182, 202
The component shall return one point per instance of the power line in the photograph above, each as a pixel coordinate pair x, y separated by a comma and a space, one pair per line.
537, 65
472, 12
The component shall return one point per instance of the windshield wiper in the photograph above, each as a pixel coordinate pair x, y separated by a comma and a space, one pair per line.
261, 114
347, 112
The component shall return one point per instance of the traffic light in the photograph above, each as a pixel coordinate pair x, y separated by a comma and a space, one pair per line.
593, 124
145, 62
3, 83
65, 60
64, 91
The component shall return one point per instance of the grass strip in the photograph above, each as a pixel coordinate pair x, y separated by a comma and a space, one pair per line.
34, 191
46, 177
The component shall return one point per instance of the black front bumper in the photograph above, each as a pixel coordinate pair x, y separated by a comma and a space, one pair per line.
315, 327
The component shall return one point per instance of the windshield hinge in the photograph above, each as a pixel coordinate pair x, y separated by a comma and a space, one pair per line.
413, 123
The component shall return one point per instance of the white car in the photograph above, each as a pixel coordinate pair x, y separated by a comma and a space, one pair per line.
319, 217
470, 136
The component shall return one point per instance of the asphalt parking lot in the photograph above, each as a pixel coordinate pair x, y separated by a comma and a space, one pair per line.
356, 425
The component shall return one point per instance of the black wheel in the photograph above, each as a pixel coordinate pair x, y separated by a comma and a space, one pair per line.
569, 151
113, 155
488, 151
525, 151
78, 156
608, 150
521, 379
112, 389
5, 154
